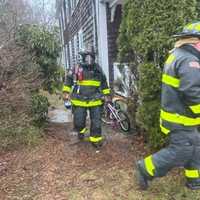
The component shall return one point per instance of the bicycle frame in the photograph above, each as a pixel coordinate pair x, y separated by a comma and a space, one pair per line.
113, 111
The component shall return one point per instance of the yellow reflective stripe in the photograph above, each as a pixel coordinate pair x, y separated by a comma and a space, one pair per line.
149, 165
83, 130
195, 109
170, 80
192, 173
106, 91
77, 102
170, 59
164, 130
89, 83
197, 27
190, 26
193, 27
179, 119
95, 139
66, 88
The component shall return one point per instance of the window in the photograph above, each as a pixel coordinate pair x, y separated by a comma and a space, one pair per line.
63, 18
80, 38
73, 5
67, 58
67, 6
61, 28
75, 49
70, 56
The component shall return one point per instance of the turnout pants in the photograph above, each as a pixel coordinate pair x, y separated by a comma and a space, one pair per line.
80, 114
183, 151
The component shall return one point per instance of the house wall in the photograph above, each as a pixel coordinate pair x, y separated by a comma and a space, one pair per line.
80, 28
89, 22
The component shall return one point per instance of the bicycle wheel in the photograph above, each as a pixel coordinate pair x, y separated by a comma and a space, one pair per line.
124, 121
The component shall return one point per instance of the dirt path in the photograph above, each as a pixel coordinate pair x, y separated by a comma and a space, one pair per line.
62, 168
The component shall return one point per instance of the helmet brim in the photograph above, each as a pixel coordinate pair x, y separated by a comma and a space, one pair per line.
178, 35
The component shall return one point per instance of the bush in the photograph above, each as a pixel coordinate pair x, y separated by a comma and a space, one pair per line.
43, 44
144, 41
28, 63
39, 109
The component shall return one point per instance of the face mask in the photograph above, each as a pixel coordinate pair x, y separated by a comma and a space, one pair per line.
89, 60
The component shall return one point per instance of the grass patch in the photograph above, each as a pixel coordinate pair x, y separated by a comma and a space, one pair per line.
120, 184
13, 138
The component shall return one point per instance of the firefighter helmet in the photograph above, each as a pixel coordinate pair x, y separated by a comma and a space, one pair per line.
190, 30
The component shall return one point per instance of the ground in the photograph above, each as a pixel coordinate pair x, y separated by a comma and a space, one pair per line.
62, 168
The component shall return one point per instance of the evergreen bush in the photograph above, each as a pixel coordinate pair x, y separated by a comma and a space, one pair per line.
144, 42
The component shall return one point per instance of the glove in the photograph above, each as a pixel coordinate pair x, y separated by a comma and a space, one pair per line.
66, 96
108, 98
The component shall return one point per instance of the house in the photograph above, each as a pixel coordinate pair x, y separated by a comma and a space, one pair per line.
94, 22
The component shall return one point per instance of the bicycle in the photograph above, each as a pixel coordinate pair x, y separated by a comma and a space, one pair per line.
113, 115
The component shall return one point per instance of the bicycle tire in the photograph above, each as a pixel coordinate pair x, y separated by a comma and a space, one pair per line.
124, 123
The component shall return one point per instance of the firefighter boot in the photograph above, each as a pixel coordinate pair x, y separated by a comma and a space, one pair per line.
97, 142
81, 134
141, 177
193, 184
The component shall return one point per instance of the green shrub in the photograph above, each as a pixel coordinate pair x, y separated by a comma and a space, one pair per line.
144, 42
39, 109
43, 44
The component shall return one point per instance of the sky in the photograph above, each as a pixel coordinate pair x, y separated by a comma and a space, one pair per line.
48, 4
43, 8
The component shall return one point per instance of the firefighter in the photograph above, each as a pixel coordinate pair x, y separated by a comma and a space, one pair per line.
180, 113
85, 85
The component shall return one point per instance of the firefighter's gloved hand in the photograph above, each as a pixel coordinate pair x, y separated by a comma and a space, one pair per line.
108, 98
66, 96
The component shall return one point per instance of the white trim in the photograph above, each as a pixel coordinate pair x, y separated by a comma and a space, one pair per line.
113, 9
73, 8
75, 48
102, 37
80, 35
67, 11
61, 29
115, 3
67, 59
70, 54
63, 18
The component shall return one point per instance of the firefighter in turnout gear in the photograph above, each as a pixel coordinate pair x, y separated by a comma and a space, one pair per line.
86, 84
180, 113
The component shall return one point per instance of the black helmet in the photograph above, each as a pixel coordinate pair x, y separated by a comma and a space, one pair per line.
190, 30
88, 56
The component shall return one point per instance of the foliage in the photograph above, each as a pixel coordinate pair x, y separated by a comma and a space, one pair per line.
19, 77
28, 62
144, 41
148, 111
44, 45
39, 109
